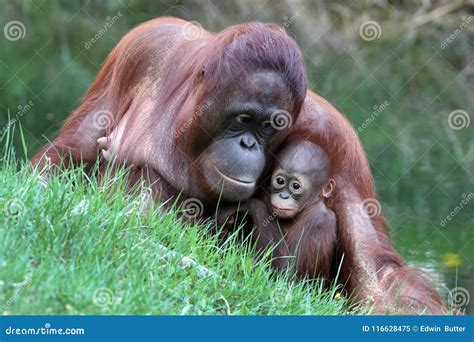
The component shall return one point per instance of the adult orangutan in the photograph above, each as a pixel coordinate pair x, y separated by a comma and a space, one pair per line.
192, 112
191, 108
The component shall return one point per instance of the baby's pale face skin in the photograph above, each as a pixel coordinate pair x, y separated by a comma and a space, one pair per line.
289, 193
300, 177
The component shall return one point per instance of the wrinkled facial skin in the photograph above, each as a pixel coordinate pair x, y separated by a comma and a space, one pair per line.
301, 172
238, 125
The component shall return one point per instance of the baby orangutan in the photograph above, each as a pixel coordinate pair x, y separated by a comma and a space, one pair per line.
300, 185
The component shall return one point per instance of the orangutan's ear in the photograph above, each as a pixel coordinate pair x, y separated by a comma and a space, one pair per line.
200, 76
328, 188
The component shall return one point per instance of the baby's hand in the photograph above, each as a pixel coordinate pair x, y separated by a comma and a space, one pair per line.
104, 145
227, 215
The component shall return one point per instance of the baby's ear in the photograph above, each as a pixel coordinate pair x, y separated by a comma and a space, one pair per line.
328, 188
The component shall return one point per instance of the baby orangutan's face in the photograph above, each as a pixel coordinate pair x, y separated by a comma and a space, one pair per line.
301, 178
289, 193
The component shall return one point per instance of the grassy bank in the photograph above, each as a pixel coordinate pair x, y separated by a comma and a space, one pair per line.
72, 245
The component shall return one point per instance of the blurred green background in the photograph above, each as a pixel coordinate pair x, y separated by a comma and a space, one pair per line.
402, 72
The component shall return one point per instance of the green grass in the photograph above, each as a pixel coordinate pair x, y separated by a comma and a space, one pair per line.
73, 245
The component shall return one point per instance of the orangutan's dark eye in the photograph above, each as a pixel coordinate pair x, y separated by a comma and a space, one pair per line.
280, 181
266, 124
244, 118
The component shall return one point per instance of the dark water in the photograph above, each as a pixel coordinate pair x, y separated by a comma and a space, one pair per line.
446, 252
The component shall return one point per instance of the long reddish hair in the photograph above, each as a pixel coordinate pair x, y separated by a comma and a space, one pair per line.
216, 60
194, 70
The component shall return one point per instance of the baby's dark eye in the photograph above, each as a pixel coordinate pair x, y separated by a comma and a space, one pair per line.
296, 186
279, 182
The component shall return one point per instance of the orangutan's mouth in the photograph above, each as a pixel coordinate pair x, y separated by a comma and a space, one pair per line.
236, 181
277, 209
